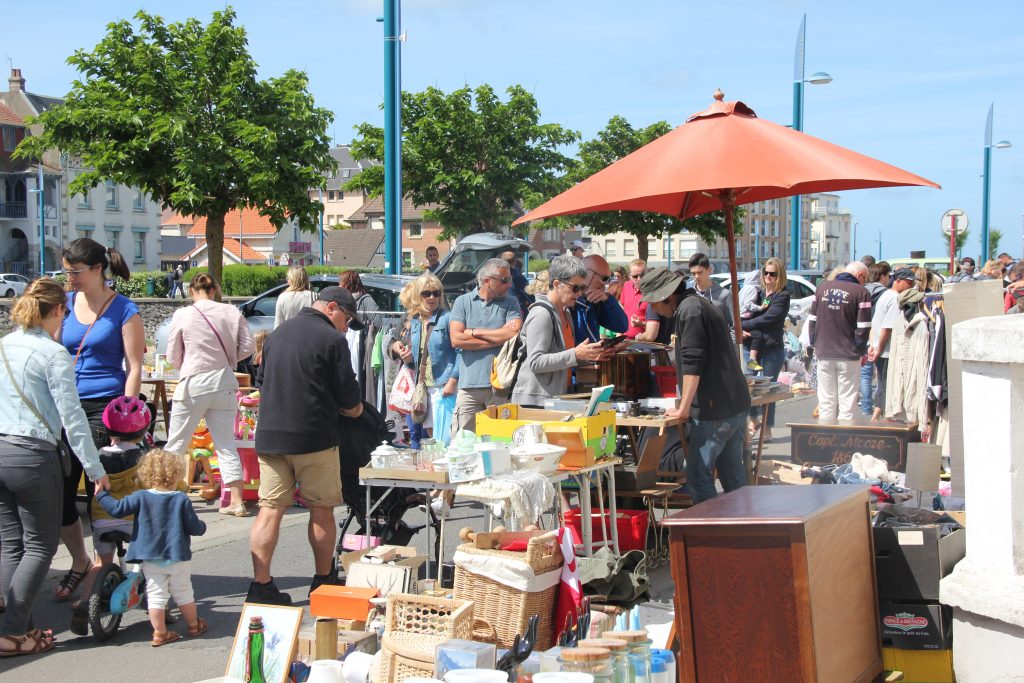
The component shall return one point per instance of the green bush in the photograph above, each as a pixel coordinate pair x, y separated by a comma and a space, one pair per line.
539, 264
135, 287
250, 280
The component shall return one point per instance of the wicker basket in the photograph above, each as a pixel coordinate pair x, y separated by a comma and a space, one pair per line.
414, 626
508, 610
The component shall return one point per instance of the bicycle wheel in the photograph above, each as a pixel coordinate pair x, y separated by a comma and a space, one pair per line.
104, 623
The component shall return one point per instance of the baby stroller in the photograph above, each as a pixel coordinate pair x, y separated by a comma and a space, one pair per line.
357, 439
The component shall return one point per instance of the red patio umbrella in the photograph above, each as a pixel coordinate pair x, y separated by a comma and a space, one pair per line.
719, 158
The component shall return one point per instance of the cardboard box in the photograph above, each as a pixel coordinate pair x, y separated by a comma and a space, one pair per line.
501, 423
404, 555
920, 666
348, 642
341, 602
915, 625
780, 472
910, 561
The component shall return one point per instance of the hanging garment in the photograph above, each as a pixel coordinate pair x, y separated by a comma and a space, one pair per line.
906, 389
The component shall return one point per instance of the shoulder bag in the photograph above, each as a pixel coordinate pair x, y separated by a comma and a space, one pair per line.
505, 366
216, 334
63, 450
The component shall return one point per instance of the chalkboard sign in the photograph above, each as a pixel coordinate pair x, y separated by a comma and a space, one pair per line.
823, 444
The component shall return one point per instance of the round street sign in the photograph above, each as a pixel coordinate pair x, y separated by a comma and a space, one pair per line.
947, 221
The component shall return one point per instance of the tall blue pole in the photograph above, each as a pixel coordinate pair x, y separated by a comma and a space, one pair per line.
986, 187
392, 137
42, 224
798, 124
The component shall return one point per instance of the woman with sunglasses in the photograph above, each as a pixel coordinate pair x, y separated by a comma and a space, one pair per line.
425, 330
103, 333
547, 334
770, 324
37, 396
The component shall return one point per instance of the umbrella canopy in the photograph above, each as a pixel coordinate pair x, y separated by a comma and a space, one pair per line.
719, 158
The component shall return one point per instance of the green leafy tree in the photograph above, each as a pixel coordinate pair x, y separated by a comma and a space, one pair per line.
995, 236
615, 141
474, 155
178, 111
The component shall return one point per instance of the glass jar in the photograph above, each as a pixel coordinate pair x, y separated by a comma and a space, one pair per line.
639, 653
595, 661
619, 651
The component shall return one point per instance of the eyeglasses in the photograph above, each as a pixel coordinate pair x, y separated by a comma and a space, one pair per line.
431, 294
502, 280
770, 273
576, 289
69, 273
602, 278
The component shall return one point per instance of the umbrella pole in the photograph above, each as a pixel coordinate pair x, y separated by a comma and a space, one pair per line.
730, 238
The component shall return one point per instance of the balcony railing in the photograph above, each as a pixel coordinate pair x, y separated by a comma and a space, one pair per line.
13, 210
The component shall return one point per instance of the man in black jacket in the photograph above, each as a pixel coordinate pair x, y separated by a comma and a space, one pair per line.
715, 398
305, 381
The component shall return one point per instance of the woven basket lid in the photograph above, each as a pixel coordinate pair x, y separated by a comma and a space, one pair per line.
628, 636
584, 654
614, 644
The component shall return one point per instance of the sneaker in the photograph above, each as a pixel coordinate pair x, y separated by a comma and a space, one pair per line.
325, 579
754, 365
236, 511
267, 594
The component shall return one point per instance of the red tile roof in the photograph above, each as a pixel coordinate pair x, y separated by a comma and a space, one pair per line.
252, 223
231, 246
9, 117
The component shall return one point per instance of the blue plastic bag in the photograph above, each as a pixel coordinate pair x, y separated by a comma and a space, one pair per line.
444, 413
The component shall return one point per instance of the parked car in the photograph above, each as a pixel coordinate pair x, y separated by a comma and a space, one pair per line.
12, 284
457, 274
801, 291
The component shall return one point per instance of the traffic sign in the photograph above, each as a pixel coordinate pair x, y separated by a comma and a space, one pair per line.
947, 221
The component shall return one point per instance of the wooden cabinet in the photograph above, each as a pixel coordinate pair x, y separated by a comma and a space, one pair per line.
776, 583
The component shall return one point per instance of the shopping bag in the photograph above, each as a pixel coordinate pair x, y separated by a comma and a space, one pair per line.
443, 416
401, 397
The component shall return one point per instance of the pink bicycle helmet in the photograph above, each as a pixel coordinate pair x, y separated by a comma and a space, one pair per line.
126, 416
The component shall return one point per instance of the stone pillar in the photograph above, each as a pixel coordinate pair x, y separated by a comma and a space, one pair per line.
986, 589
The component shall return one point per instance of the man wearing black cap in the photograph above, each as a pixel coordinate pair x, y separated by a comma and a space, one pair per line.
715, 398
966, 273
305, 381
884, 317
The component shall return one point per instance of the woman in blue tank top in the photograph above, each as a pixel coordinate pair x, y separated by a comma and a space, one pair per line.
103, 333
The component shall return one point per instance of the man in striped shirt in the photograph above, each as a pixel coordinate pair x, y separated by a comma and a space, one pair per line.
840, 320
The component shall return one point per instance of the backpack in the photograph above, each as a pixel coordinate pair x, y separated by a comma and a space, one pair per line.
505, 366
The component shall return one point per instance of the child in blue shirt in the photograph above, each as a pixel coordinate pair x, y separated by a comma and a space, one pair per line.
164, 523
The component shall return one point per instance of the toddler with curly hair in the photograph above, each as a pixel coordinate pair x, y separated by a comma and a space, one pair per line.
161, 543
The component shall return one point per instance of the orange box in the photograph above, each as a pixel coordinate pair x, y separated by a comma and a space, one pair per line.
341, 602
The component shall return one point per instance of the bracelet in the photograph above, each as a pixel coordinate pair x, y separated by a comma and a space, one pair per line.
472, 333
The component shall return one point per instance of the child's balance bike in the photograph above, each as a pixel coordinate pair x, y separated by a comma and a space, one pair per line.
115, 592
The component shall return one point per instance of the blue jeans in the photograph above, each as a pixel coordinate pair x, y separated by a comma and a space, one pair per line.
867, 377
772, 359
715, 444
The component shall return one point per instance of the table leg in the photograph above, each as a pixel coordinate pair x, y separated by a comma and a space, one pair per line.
613, 508
604, 510
586, 511
427, 525
366, 516
752, 474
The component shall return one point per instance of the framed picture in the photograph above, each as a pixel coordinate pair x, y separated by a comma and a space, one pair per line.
280, 635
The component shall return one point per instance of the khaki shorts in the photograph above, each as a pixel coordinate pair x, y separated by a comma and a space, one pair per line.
318, 475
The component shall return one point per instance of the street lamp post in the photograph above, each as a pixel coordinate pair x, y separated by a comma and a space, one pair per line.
392, 21
819, 78
986, 187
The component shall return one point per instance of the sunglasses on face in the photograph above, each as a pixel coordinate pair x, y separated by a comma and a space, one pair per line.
576, 289
770, 273
430, 294
637, 276
502, 280
602, 278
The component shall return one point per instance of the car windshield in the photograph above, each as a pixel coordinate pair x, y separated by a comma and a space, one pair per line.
462, 266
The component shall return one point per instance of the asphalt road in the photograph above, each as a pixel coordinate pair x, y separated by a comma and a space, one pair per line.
221, 574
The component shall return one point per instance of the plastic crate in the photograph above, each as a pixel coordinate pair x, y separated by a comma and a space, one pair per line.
665, 380
632, 526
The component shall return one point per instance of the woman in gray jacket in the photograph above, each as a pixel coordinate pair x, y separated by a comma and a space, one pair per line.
37, 397
547, 336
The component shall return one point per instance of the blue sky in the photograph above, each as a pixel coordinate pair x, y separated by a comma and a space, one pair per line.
913, 80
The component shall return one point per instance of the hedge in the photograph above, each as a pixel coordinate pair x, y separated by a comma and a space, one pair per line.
246, 280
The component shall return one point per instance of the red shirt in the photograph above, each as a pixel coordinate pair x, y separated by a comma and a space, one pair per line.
634, 308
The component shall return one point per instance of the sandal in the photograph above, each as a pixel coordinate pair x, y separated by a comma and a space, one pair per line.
199, 629
80, 619
45, 635
164, 637
27, 644
69, 584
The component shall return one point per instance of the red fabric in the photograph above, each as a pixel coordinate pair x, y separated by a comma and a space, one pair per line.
570, 591
1008, 302
634, 308
515, 546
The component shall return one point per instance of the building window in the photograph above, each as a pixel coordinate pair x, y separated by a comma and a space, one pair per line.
138, 201
407, 256
113, 238
629, 247
340, 195
609, 248
330, 195
85, 201
376, 224
8, 138
139, 244
111, 195
415, 230
652, 248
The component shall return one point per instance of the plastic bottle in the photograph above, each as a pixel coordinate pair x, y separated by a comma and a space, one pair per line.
669, 659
